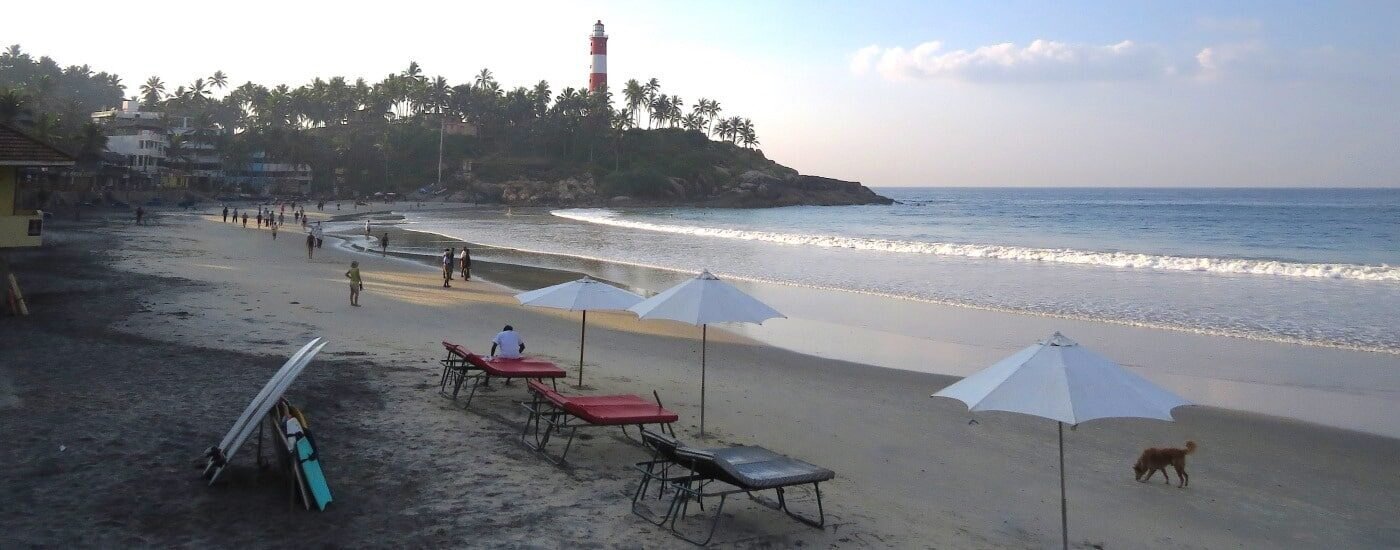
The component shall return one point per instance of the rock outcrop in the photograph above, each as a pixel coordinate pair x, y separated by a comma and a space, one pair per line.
751, 189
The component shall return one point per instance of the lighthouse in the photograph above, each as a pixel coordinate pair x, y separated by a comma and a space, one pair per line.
598, 48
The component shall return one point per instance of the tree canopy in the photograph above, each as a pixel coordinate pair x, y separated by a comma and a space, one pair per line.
364, 135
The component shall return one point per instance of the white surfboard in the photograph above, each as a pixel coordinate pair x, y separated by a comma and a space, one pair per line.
220, 456
247, 415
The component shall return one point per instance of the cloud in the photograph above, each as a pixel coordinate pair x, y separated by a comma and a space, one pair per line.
862, 60
1262, 62
1040, 61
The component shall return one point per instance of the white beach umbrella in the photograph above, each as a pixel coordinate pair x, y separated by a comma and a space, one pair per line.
581, 295
702, 300
1063, 381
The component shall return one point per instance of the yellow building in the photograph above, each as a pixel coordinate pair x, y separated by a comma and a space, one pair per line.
22, 227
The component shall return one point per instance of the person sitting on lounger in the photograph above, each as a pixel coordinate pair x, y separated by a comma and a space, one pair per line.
509, 344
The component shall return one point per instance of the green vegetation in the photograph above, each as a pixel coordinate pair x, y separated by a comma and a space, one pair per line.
365, 136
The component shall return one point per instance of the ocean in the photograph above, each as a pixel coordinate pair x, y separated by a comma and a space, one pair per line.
1318, 267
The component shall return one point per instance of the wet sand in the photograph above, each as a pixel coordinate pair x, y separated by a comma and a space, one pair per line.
166, 331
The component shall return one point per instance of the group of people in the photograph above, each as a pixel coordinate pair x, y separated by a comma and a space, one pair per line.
273, 219
450, 259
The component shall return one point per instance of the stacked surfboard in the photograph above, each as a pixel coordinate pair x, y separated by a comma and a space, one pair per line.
301, 446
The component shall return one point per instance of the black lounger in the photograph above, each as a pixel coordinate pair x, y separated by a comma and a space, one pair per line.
723, 472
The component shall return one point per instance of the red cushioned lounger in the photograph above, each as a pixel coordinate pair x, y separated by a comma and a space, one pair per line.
551, 411
462, 365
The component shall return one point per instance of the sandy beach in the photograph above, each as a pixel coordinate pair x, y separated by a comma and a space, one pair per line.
146, 342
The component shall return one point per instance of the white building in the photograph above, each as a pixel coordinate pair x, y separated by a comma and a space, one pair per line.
135, 134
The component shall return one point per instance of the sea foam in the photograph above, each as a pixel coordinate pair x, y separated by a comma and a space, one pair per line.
1112, 259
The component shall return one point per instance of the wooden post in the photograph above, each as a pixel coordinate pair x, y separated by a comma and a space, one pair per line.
16, 297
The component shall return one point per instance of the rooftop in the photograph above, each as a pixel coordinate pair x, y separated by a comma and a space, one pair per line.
20, 149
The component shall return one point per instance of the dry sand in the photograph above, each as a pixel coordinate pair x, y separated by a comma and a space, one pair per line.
146, 342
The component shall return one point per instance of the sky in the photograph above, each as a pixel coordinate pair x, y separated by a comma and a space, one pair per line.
1098, 93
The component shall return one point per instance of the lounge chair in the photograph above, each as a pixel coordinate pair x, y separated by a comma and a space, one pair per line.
708, 473
551, 412
463, 365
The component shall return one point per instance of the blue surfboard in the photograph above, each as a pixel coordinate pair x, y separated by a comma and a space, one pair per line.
309, 461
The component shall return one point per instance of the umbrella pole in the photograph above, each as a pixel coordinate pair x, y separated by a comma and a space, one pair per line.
704, 331
1064, 514
582, 332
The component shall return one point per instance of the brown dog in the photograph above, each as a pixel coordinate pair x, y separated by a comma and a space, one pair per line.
1155, 459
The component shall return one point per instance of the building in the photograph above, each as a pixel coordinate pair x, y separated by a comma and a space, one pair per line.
598, 48
265, 178
19, 227
138, 136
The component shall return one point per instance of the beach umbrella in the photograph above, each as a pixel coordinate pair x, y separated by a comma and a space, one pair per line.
700, 301
1065, 382
581, 295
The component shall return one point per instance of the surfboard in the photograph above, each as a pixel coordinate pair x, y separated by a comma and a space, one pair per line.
215, 453
309, 461
285, 415
220, 457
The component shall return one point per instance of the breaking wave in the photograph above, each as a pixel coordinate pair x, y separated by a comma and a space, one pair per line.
1121, 260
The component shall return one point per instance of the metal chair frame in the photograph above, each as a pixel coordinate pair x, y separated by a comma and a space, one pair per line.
548, 418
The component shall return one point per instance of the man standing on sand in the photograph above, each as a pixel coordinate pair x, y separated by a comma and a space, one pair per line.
225, 214
356, 284
310, 244
366, 228
273, 225
317, 232
466, 264
448, 258
140, 215
259, 217
245, 220
384, 244
281, 219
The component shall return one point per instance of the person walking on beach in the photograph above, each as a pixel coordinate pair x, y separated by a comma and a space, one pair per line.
273, 225
245, 220
367, 228
225, 214
310, 244
281, 219
466, 264
259, 217
384, 244
448, 258
140, 215
317, 232
356, 284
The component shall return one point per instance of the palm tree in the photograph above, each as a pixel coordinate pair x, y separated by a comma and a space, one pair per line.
152, 91
694, 121
413, 71
634, 94
746, 134
485, 79
218, 80
710, 110
44, 127
13, 103
91, 143
649, 91
540, 96
674, 116
198, 90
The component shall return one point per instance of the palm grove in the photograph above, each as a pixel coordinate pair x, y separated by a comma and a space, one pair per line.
365, 136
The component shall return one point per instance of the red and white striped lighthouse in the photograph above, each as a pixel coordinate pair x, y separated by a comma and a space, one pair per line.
598, 47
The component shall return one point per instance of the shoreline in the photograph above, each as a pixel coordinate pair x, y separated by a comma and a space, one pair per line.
1271, 377
215, 308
